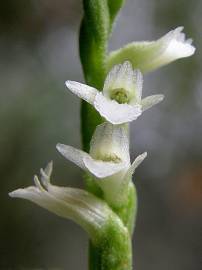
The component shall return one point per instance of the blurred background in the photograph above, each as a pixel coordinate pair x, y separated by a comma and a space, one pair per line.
38, 52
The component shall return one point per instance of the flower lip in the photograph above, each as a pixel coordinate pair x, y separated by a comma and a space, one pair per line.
114, 112
177, 46
102, 169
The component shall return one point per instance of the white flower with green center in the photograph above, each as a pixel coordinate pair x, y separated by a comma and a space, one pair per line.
81, 206
121, 99
150, 55
108, 160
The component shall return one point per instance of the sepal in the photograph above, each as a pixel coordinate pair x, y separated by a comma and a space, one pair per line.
150, 101
82, 207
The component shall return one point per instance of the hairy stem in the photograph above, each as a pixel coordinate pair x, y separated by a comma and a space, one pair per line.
113, 249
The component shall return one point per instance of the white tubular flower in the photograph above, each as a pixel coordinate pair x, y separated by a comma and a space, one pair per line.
121, 99
108, 160
150, 55
72, 203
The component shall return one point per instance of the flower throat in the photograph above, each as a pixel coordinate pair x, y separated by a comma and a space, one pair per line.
120, 95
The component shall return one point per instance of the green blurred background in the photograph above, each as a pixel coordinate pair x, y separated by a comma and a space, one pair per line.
38, 52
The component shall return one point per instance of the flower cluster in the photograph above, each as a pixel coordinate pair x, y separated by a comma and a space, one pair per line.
108, 161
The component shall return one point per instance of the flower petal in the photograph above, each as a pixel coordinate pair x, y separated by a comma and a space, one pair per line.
176, 46
79, 197
79, 205
150, 101
134, 165
76, 204
83, 91
41, 198
114, 112
139, 84
110, 142
102, 169
110, 79
150, 55
72, 154
123, 76
46, 173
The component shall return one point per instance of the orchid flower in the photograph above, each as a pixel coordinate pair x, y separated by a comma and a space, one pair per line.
81, 206
121, 98
108, 160
150, 55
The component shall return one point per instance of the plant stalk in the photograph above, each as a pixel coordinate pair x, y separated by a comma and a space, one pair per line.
113, 250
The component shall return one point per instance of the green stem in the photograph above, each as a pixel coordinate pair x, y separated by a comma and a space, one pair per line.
94, 259
127, 211
92, 56
95, 30
113, 249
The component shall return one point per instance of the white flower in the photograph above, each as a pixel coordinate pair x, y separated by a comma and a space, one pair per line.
121, 99
81, 206
108, 160
150, 55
